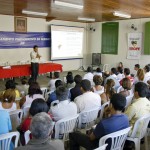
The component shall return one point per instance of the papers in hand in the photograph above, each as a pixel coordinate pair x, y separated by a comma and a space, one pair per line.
7, 67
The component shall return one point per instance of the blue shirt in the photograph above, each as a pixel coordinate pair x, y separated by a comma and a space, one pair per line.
110, 125
5, 124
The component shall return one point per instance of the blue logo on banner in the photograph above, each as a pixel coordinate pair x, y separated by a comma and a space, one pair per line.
9, 40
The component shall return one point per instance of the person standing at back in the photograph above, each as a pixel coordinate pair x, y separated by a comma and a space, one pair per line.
35, 57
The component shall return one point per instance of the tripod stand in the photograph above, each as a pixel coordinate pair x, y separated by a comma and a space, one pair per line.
81, 67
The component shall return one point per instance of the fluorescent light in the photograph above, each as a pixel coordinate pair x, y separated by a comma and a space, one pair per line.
121, 14
34, 13
68, 4
86, 19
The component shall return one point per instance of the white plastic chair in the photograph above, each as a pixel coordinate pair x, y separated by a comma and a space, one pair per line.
16, 118
44, 91
103, 108
105, 67
128, 101
140, 131
87, 118
26, 111
65, 126
117, 139
101, 147
5, 140
27, 136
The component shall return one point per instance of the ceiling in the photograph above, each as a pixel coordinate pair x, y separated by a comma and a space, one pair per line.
101, 10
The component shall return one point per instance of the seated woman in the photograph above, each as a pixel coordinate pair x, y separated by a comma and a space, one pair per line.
37, 106
8, 101
70, 80
10, 84
98, 80
126, 87
33, 93
139, 76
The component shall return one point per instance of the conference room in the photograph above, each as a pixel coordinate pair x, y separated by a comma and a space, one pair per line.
72, 36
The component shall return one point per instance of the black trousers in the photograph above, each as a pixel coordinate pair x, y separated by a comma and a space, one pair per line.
77, 139
34, 70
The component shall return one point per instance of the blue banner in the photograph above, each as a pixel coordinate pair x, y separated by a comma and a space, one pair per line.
10, 40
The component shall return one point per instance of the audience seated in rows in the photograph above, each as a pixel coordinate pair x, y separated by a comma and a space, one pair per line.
52, 81
98, 80
52, 96
34, 92
88, 100
41, 128
23, 87
120, 74
140, 105
109, 90
10, 84
8, 101
147, 73
139, 76
98, 72
89, 75
127, 75
117, 121
76, 91
126, 87
114, 77
70, 81
64, 108
37, 106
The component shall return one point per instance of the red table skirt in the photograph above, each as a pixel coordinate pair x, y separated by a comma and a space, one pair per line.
25, 70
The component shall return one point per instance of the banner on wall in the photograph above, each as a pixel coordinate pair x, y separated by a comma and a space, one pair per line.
10, 40
134, 45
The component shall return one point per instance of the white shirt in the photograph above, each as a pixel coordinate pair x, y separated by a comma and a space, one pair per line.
33, 55
51, 84
98, 91
147, 77
120, 76
87, 101
89, 76
29, 100
63, 109
14, 107
97, 73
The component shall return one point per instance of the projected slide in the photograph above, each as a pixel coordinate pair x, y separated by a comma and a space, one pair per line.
66, 42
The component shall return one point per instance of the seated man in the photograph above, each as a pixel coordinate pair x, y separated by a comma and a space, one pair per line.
41, 129
140, 106
88, 100
64, 108
117, 121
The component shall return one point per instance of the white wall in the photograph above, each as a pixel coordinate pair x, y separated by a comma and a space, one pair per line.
40, 25
124, 28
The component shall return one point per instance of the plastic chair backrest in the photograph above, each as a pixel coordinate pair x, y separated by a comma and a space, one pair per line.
44, 91
5, 140
16, 118
140, 127
117, 139
101, 147
27, 136
87, 118
26, 111
128, 100
103, 108
65, 126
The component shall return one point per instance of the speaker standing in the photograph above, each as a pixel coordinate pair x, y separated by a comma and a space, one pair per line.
35, 57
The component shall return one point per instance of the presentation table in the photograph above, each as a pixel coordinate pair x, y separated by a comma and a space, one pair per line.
25, 70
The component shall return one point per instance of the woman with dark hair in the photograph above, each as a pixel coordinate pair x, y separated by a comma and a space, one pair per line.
33, 93
98, 72
37, 106
147, 73
70, 80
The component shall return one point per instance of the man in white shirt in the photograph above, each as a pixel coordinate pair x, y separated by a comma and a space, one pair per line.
64, 108
35, 57
88, 100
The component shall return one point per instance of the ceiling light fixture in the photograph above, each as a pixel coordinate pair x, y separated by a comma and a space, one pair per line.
34, 13
60, 3
86, 19
121, 14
